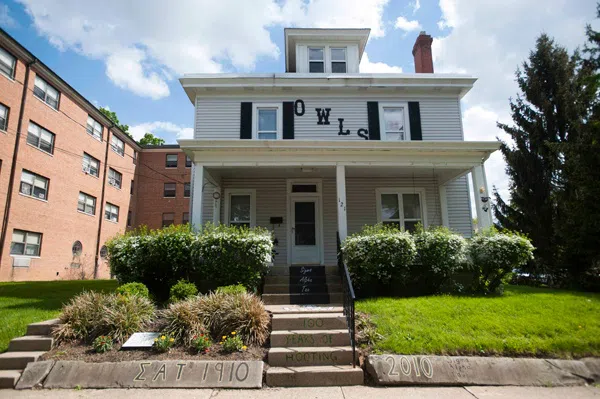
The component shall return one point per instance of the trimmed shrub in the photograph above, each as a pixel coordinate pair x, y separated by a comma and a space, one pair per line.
231, 289
494, 256
124, 315
378, 253
182, 290
182, 320
440, 255
138, 289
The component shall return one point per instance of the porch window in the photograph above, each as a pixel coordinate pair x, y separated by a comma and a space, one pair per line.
394, 122
240, 207
269, 123
401, 208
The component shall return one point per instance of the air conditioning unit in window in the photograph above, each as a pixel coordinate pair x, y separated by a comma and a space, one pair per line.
21, 262
87, 170
112, 181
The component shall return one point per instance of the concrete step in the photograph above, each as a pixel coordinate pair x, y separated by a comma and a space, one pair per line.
301, 299
310, 356
305, 309
314, 376
9, 378
30, 343
309, 321
302, 288
43, 327
17, 360
308, 271
328, 279
302, 338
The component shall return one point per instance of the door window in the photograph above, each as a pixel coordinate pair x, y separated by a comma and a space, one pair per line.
305, 223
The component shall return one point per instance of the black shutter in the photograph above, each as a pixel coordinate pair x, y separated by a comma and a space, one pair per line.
246, 121
288, 120
373, 115
414, 117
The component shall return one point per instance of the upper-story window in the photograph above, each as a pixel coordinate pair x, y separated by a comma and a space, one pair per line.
39, 137
7, 63
338, 60
394, 121
46, 92
111, 212
114, 178
269, 122
188, 162
34, 185
171, 161
316, 59
94, 128
3, 117
90, 165
117, 145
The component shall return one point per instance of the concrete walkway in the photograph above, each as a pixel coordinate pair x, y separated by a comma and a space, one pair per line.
354, 392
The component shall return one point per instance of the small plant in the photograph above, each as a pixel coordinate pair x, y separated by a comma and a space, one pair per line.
103, 344
231, 289
366, 330
182, 290
138, 289
232, 343
202, 343
163, 343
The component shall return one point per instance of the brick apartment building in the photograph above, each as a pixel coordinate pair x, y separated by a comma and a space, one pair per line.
70, 179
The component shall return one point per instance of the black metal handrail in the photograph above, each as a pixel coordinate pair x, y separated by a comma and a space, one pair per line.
349, 298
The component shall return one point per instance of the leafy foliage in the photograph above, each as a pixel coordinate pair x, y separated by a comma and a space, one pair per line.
163, 343
232, 343
115, 119
102, 344
138, 289
182, 290
150, 139
231, 289
202, 343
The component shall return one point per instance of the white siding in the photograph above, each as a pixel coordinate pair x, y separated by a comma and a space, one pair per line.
352, 58
219, 117
207, 202
459, 206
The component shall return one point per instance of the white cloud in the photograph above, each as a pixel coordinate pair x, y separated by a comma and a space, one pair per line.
6, 20
158, 127
366, 66
416, 5
406, 25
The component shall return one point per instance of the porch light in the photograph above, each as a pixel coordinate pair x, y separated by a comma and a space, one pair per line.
216, 195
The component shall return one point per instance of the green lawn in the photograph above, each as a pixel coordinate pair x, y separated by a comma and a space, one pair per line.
29, 302
525, 321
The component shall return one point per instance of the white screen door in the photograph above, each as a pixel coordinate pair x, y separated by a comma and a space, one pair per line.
305, 230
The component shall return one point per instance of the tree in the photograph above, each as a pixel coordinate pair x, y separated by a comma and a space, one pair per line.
113, 117
150, 139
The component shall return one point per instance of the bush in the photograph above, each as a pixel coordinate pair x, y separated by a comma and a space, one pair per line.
182, 320
440, 255
201, 343
103, 344
494, 256
182, 290
163, 343
232, 343
377, 253
124, 315
231, 289
138, 289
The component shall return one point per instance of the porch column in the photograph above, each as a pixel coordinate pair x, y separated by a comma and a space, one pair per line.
444, 205
196, 200
483, 203
340, 173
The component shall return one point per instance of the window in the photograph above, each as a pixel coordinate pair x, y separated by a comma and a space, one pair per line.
3, 117
86, 204
7, 63
170, 190
26, 243
304, 188
186, 190
46, 92
240, 207
129, 218
186, 218
316, 59
168, 219
104, 252
188, 162
94, 128
114, 178
34, 185
131, 188
77, 248
39, 137
111, 212
117, 145
269, 123
394, 122
171, 161
135, 155
338, 60
403, 208
90, 165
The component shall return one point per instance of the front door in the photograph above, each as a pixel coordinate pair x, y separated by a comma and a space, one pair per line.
305, 231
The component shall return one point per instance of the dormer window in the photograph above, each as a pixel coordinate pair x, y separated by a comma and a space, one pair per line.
338, 60
316, 59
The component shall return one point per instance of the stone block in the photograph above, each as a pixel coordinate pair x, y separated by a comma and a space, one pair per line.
33, 376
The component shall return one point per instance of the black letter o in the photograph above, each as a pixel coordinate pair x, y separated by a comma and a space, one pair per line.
303, 108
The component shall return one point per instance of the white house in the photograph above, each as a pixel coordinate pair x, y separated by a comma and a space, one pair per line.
324, 149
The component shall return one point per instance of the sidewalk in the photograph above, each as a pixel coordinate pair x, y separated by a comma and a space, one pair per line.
357, 392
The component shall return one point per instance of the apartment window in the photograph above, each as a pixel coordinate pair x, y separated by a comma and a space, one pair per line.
104, 252
86, 204
168, 219
171, 161
94, 128
46, 92
114, 178
316, 59
338, 60
34, 185
187, 189
77, 248
129, 215
403, 208
394, 121
7, 63
131, 187
90, 165
135, 155
186, 218
268, 125
111, 212
117, 145
240, 207
3, 117
26, 243
170, 190
188, 162
39, 137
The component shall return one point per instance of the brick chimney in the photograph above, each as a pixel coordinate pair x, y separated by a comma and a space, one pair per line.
422, 53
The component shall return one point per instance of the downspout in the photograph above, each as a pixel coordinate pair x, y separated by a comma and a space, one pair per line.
97, 256
13, 165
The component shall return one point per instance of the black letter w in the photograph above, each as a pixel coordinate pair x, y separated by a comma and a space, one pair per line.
323, 115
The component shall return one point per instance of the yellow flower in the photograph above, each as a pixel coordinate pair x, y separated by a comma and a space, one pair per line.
155, 339
172, 339
233, 333
224, 337
163, 337
244, 347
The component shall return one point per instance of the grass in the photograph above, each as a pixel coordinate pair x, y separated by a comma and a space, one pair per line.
525, 321
29, 302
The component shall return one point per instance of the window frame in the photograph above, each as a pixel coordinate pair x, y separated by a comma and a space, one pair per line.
399, 191
165, 190
255, 109
92, 159
120, 151
93, 126
382, 131
331, 60
188, 164
240, 192
35, 176
110, 212
39, 138
183, 218
167, 161
4, 128
86, 196
323, 61
163, 219
118, 174
45, 91
26, 233
189, 190
13, 69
